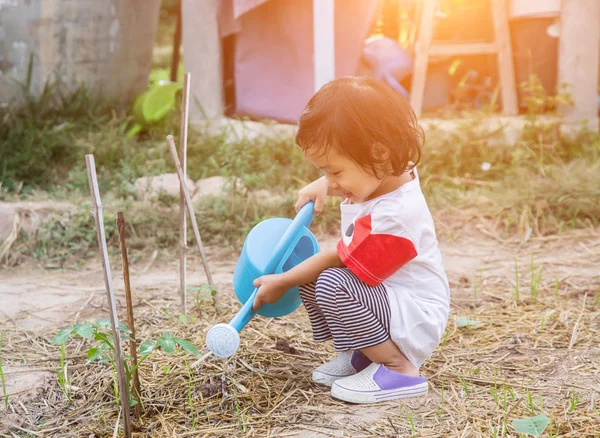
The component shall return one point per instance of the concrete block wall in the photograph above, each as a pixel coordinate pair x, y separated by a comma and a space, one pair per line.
104, 44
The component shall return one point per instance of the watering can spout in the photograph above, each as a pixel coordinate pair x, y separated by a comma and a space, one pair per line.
293, 243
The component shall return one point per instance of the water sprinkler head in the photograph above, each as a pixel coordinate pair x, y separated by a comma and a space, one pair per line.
223, 340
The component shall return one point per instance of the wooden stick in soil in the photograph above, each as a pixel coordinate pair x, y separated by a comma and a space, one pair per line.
185, 107
132, 342
190, 209
114, 320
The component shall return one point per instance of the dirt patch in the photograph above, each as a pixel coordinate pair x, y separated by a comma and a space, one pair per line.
24, 384
479, 376
473, 262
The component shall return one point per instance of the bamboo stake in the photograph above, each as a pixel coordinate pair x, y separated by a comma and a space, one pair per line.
190, 209
114, 321
133, 341
185, 108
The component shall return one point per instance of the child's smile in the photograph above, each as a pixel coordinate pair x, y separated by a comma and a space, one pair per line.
350, 180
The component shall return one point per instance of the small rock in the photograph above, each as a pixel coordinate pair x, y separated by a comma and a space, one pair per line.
283, 345
518, 339
27, 216
149, 187
214, 186
210, 389
463, 281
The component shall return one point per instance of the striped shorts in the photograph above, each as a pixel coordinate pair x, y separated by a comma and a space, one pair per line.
342, 307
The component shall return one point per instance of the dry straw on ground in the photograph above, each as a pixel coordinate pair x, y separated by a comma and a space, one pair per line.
521, 359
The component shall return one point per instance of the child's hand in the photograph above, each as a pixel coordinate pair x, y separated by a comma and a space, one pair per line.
316, 191
270, 289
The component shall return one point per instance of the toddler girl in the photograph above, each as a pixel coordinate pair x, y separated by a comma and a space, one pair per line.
381, 294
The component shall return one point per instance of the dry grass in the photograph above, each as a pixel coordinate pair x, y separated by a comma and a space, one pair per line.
525, 358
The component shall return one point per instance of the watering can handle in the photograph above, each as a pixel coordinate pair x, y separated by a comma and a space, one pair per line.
302, 219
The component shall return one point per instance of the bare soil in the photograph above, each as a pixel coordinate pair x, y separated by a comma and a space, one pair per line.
482, 274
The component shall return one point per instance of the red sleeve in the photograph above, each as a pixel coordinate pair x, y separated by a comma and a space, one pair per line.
373, 257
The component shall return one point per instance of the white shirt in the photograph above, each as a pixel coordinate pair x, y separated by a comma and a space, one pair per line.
391, 240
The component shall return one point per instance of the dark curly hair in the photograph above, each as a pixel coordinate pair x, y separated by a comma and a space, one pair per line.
364, 119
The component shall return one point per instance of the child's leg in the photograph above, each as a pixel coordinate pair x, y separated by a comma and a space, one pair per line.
358, 318
390, 355
320, 329
345, 363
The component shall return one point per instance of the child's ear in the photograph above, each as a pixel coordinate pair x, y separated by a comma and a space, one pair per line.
381, 152
382, 155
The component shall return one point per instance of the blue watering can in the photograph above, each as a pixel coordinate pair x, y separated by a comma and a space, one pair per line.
273, 246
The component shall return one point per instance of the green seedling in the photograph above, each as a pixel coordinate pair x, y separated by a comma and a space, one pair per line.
202, 294
104, 351
413, 429
573, 402
445, 338
238, 412
494, 431
556, 287
153, 105
511, 392
494, 392
551, 433
530, 402
187, 320
463, 321
533, 426
2, 376
535, 281
61, 373
464, 385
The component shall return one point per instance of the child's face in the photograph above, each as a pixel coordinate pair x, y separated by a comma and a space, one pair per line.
347, 177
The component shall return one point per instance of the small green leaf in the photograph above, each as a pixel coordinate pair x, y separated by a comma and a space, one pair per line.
134, 130
463, 321
124, 328
187, 346
167, 344
533, 426
167, 335
103, 323
94, 353
147, 347
62, 336
183, 319
99, 336
84, 330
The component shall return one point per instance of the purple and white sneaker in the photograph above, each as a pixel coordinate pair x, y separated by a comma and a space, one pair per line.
345, 364
376, 384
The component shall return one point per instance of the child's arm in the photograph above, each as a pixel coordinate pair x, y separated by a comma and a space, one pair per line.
316, 191
272, 287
